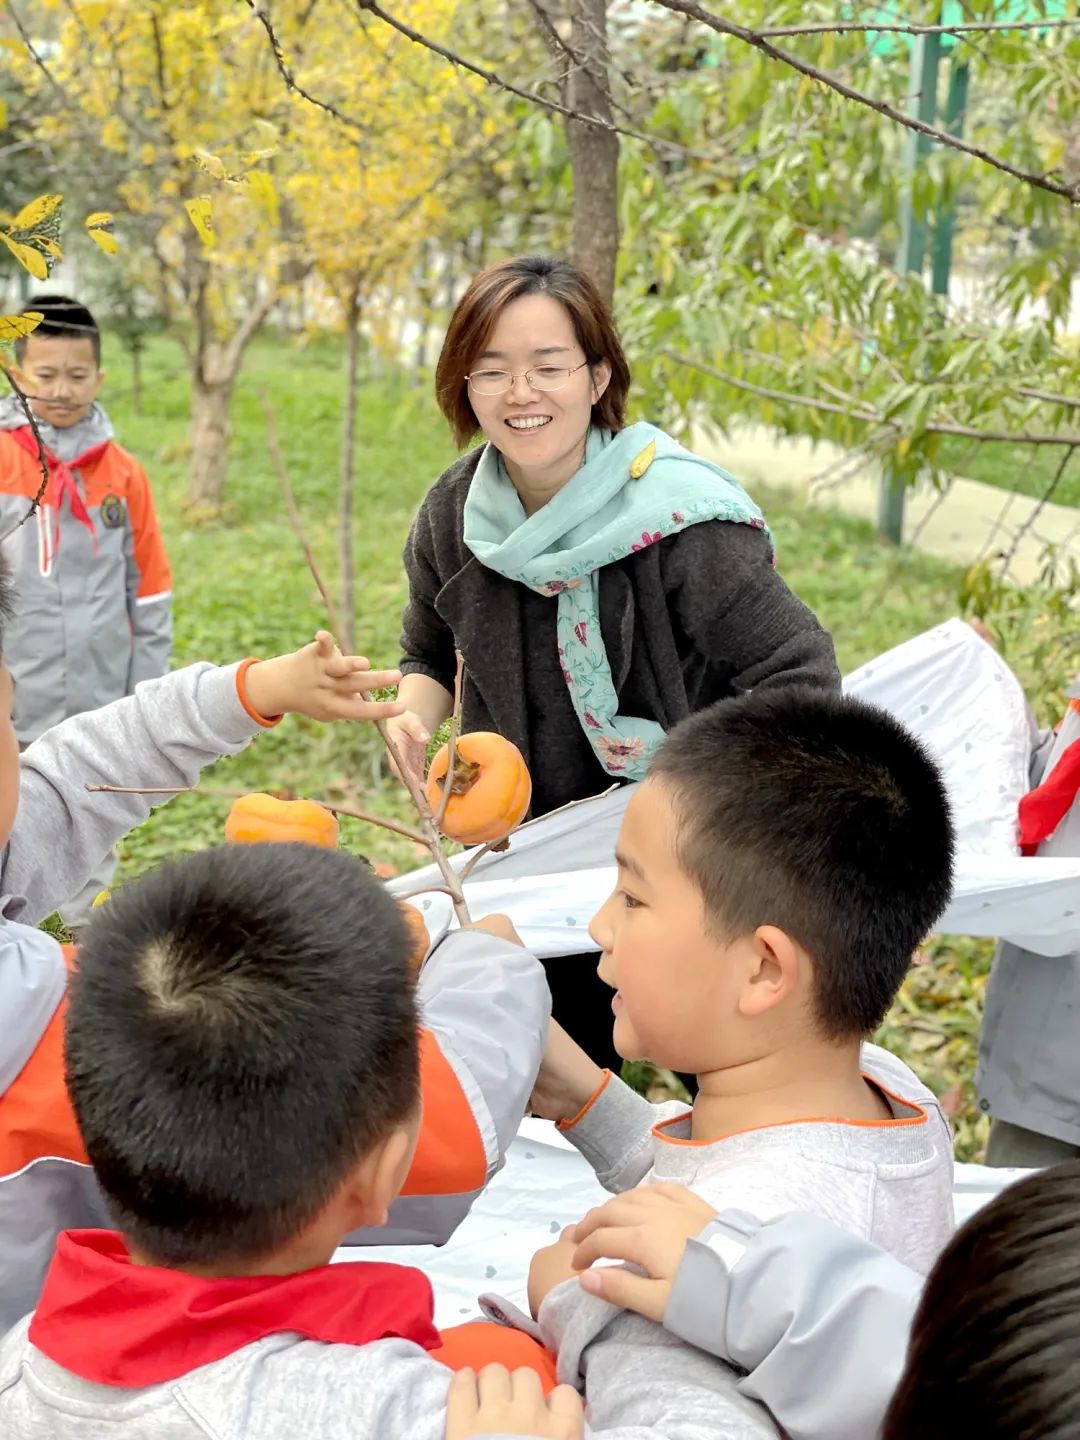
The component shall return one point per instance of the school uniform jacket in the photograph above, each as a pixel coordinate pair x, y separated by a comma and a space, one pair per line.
484, 1002
93, 587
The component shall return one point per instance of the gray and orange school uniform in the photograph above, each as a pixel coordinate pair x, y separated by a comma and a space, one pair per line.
484, 1002
93, 608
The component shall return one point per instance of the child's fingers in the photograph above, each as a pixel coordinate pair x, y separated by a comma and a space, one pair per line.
628, 1291
361, 681
494, 1385
377, 709
566, 1408
623, 1210
325, 644
623, 1242
526, 1388
462, 1404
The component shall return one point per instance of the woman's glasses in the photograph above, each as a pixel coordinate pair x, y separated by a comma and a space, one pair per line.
542, 377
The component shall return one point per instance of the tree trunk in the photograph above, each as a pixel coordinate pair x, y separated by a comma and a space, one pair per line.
209, 441
594, 153
348, 475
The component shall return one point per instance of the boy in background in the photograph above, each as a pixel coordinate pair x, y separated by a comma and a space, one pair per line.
94, 609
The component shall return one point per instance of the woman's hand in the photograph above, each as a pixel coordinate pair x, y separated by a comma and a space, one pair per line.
409, 734
496, 1402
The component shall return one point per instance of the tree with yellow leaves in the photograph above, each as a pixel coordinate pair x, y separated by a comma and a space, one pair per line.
228, 185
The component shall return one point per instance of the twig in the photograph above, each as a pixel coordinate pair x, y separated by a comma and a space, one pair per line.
294, 516
873, 417
167, 790
491, 78
356, 814
1044, 500
42, 455
1070, 401
455, 726
474, 860
843, 27
431, 837
427, 890
1070, 190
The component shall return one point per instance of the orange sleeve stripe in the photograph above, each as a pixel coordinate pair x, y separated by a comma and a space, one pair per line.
483, 1343
242, 695
565, 1125
36, 1118
450, 1157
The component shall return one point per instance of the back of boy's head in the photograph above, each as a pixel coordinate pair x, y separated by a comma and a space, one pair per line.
820, 815
995, 1345
62, 319
241, 1031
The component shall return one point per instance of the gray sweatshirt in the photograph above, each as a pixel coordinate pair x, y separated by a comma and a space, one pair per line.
288, 1388
794, 1300
889, 1182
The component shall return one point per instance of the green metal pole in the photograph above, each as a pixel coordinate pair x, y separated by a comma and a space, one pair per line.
922, 105
945, 220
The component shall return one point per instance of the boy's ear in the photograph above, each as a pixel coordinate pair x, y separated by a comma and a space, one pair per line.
774, 973
378, 1179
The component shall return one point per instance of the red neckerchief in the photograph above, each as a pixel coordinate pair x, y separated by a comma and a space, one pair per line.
61, 479
1043, 809
113, 1322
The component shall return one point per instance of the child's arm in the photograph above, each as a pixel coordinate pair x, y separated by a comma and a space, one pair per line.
790, 1300
607, 1121
161, 737
485, 1005
149, 586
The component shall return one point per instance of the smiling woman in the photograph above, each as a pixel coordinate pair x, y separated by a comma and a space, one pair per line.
600, 581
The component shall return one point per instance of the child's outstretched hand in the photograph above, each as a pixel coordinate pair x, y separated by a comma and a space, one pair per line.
648, 1227
319, 681
496, 1402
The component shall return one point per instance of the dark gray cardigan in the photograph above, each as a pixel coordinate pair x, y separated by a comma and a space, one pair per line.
698, 617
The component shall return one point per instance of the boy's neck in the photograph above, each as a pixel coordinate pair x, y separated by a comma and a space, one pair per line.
817, 1082
294, 1259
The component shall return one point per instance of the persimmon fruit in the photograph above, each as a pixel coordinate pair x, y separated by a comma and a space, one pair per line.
490, 788
259, 818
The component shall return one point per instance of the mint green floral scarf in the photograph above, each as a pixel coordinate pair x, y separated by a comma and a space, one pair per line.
635, 487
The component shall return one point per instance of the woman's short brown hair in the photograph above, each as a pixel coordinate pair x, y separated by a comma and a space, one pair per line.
484, 301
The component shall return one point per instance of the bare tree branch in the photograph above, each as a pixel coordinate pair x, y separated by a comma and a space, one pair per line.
1044, 500
295, 520
455, 726
872, 417
843, 27
1070, 190
257, 9
42, 454
372, 7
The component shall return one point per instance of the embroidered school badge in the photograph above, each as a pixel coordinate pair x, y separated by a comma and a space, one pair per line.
113, 512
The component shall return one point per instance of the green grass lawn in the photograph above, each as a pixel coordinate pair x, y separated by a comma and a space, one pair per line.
242, 588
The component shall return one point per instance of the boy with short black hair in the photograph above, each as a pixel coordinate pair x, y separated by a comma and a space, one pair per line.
241, 1051
787, 854
94, 611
